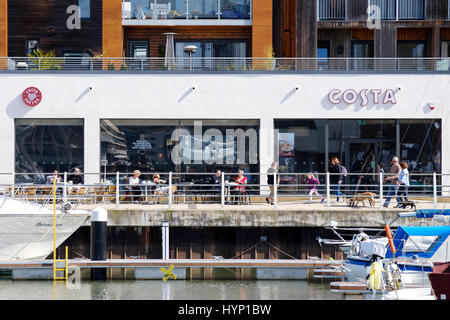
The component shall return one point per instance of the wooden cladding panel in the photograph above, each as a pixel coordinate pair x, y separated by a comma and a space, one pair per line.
445, 34
357, 10
262, 17
157, 38
306, 28
3, 28
413, 34
284, 28
46, 21
363, 34
112, 28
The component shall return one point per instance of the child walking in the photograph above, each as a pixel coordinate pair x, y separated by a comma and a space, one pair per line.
312, 182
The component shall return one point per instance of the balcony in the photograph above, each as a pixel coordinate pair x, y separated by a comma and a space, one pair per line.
332, 9
186, 12
399, 9
224, 65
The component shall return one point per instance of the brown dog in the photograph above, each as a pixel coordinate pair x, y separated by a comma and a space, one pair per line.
361, 197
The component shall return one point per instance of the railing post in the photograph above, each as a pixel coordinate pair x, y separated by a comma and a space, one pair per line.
65, 187
165, 240
117, 190
328, 189
13, 182
222, 190
434, 191
381, 190
170, 190
275, 190
39, 63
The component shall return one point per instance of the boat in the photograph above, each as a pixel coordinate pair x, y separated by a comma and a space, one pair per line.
414, 250
26, 229
440, 280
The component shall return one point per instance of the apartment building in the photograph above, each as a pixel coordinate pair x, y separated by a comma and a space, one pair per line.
136, 28
362, 28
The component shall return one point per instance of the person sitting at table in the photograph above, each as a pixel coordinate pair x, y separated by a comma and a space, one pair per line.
76, 179
241, 180
134, 186
53, 177
216, 189
159, 189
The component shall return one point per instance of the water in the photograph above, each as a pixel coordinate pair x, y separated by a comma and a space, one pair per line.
170, 290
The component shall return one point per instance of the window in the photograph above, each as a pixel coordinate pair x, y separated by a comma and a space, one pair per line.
76, 61
31, 46
420, 243
147, 145
411, 49
139, 49
323, 53
362, 49
85, 8
44, 145
445, 49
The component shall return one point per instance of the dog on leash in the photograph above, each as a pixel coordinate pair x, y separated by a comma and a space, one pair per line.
406, 204
362, 197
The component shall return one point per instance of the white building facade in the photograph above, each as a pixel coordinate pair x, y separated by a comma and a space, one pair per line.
301, 120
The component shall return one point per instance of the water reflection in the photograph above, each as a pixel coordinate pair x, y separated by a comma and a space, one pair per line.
171, 290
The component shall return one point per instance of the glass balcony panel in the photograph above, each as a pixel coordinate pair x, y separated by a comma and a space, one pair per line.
186, 9
411, 9
332, 9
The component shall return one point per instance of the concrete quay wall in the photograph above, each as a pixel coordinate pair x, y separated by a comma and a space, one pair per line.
258, 218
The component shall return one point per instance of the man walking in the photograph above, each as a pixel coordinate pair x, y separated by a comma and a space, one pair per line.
392, 179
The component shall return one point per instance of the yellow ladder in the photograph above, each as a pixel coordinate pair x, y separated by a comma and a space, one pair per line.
65, 269
55, 261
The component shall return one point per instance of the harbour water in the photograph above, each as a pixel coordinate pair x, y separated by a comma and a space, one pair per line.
170, 290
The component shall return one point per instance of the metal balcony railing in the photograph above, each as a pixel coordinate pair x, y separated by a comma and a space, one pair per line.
332, 9
425, 190
222, 64
187, 9
400, 9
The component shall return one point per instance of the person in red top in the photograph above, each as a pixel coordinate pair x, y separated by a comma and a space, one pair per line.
241, 180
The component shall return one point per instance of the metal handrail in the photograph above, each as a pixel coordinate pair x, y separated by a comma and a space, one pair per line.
116, 188
215, 64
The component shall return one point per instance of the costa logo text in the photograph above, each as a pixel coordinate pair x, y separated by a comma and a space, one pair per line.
363, 97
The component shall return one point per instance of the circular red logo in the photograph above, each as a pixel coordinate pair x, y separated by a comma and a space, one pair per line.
32, 96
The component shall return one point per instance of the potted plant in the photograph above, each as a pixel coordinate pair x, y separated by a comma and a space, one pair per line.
45, 60
111, 66
96, 59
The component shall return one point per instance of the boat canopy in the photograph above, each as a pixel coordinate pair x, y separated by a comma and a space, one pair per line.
422, 241
430, 213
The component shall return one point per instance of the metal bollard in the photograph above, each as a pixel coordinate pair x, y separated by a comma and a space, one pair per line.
99, 220
165, 240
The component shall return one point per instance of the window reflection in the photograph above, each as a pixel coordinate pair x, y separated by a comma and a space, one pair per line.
46, 145
147, 145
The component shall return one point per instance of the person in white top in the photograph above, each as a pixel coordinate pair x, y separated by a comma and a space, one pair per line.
403, 179
134, 186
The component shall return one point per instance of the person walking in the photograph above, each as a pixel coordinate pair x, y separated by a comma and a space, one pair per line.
392, 179
403, 179
313, 182
270, 173
339, 173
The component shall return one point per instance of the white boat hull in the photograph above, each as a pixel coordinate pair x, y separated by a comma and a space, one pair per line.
26, 230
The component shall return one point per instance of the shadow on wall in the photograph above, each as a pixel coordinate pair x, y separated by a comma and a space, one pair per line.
16, 108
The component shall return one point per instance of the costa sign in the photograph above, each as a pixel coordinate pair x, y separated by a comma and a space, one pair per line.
32, 96
364, 96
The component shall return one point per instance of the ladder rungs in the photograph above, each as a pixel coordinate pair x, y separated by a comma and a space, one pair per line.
60, 269
60, 278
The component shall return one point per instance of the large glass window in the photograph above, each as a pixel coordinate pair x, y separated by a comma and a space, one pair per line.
44, 145
360, 51
147, 145
421, 145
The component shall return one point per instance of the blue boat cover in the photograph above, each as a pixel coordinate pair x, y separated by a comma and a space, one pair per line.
429, 213
403, 233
